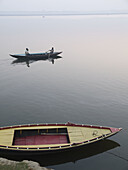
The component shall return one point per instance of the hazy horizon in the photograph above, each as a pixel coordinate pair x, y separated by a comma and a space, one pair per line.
63, 5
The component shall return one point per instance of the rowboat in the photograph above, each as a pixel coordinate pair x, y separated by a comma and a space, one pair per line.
51, 138
36, 56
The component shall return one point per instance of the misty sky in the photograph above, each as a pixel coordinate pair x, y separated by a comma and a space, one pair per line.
59, 5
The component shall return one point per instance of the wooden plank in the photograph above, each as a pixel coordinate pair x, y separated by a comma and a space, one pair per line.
75, 134
6, 137
81, 134
90, 133
40, 127
39, 146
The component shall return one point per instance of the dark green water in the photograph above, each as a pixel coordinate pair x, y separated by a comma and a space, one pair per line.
88, 85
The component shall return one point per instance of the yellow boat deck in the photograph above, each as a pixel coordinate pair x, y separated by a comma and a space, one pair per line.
81, 134
6, 137
75, 134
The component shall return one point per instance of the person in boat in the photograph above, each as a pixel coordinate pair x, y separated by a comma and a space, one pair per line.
52, 50
26, 51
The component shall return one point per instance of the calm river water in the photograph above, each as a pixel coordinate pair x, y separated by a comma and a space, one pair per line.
88, 85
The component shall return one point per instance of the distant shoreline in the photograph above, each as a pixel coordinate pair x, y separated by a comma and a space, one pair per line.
59, 13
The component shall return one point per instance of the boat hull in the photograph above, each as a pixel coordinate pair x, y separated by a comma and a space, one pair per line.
35, 56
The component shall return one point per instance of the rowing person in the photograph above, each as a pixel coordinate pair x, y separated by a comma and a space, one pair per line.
26, 51
52, 50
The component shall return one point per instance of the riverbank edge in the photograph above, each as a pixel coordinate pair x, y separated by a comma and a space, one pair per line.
15, 165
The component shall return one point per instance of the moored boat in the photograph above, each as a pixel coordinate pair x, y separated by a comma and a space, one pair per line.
51, 138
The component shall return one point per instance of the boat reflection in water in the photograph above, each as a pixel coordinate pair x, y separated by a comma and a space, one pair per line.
66, 156
28, 61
